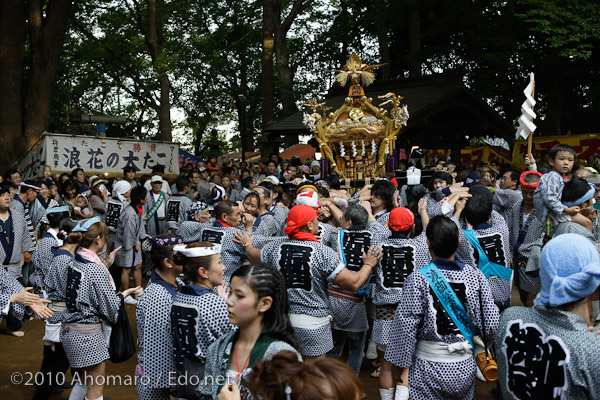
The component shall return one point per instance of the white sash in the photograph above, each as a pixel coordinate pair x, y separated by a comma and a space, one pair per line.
308, 321
443, 352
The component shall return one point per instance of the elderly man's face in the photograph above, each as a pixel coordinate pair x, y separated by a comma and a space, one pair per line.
582, 173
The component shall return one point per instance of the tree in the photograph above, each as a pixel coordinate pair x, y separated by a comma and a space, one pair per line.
26, 86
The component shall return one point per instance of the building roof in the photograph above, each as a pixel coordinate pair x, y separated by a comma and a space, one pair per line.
441, 108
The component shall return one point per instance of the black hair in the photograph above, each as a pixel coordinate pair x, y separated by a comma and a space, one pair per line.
334, 181
224, 207
191, 264
48, 182
158, 168
247, 181
9, 172
4, 188
25, 189
268, 185
574, 189
462, 174
265, 280
442, 176
515, 174
322, 190
357, 215
478, 209
69, 183
65, 227
138, 193
561, 147
128, 169
271, 162
442, 234
55, 218
226, 170
181, 182
385, 191
266, 190
253, 194
76, 171
158, 253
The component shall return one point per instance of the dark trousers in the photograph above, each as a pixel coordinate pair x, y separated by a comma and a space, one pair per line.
13, 323
54, 366
115, 272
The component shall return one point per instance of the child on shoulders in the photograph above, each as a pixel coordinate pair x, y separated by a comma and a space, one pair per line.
547, 196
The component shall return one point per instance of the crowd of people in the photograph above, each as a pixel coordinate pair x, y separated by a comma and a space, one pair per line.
272, 281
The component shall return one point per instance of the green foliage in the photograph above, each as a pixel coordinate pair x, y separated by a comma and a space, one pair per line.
570, 26
212, 53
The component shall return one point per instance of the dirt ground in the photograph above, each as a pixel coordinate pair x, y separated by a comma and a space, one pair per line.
21, 358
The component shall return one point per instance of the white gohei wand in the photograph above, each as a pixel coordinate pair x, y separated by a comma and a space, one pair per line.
526, 125
342, 150
353, 149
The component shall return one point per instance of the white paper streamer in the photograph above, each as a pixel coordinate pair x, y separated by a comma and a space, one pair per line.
353, 149
373, 147
342, 150
363, 148
526, 125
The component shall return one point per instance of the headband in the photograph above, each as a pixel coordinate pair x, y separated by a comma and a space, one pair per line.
53, 210
529, 185
30, 186
84, 224
267, 190
196, 207
172, 241
306, 186
588, 195
198, 251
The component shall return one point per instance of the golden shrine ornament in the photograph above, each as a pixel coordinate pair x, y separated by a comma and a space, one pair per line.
357, 121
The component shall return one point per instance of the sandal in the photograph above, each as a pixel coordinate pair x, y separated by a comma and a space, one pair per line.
376, 363
375, 374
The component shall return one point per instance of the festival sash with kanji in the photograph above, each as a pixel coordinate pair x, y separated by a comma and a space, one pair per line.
156, 205
445, 294
485, 265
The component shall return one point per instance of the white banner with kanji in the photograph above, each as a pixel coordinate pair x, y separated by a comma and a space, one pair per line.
64, 153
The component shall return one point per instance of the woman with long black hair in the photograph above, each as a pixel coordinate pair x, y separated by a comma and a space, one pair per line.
259, 306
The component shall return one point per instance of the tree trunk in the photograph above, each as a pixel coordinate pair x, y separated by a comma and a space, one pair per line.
154, 41
382, 40
415, 43
266, 76
46, 38
12, 51
285, 73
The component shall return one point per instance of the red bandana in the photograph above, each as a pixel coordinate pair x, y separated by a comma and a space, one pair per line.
529, 185
401, 219
298, 217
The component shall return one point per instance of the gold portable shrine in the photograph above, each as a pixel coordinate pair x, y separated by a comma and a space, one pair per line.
358, 137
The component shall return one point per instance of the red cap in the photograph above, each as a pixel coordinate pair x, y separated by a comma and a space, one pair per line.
401, 219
